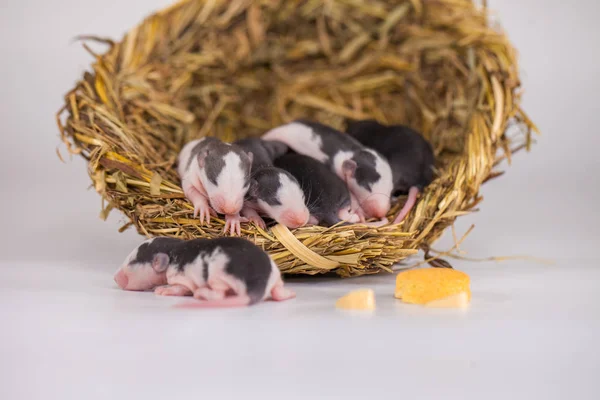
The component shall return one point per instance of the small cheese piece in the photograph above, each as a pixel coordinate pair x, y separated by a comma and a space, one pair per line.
362, 299
434, 287
460, 300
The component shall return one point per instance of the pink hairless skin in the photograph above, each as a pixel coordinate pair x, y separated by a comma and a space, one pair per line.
410, 202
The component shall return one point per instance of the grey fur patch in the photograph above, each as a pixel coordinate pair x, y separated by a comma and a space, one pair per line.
147, 251
264, 152
366, 174
213, 167
215, 151
268, 184
324, 192
275, 148
332, 140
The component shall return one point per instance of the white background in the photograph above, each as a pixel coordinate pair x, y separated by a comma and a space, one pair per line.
531, 332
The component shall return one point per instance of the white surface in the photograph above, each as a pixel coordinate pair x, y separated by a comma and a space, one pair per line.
530, 333
67, 333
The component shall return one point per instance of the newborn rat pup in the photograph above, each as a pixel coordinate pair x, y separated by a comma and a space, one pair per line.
327, 196
410, 156
222, 272
273, 191
276, 193
215, 176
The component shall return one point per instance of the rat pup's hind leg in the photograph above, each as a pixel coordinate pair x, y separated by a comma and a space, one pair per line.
173, 290
221, 291
252, 216
280, 292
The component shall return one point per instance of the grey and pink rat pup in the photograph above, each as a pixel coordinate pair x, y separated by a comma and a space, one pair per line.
326, 194
223, 272
215, 176
410, 156
366, 173
273, 191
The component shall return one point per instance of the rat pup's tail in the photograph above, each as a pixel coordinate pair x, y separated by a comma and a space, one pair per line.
227, 302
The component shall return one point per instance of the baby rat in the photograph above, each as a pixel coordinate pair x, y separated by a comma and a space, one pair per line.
215, 174
366, 173
223, 272
278, 194
409, 154
273, 191
326, 194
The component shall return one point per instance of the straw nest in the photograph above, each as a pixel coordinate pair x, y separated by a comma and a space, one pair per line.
234, 68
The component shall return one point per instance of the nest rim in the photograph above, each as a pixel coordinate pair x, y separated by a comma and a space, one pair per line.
101, 126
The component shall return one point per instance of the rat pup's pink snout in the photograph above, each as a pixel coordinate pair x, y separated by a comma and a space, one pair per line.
121, 279
294, 219
230, 209
223, 206
376, 207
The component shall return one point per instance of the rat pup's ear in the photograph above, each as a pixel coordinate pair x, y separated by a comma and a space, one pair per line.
202, 158
348, 169
250, 156
253, 189
160, 262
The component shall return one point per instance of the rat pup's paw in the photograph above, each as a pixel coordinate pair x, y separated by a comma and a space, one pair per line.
383, 221
172, 290
281, 293
204, 210
233, 224
361, 214
258, 221
253, 216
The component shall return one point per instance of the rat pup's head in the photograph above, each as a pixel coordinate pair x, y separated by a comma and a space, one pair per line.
143, 269
225, 174
279, 194
369, 177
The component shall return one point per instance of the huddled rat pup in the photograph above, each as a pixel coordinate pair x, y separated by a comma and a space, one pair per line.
410, 156
215, 176
278, 194
273, 192
223, 272
326, 194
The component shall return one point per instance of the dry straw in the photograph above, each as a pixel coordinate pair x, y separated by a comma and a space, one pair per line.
234, 68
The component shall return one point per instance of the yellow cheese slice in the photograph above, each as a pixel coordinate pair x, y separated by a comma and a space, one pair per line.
362, 299
459, 300
436, 287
